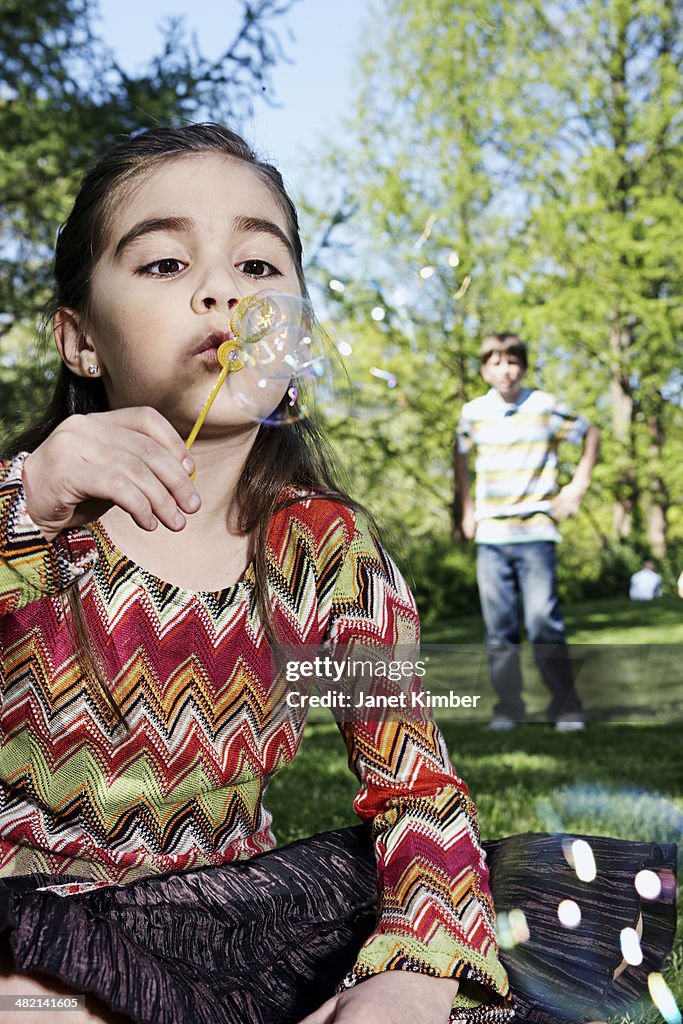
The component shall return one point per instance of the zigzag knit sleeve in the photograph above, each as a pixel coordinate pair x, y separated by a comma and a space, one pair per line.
30, 566
435, 912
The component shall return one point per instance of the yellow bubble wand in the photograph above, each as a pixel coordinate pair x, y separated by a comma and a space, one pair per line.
228, 353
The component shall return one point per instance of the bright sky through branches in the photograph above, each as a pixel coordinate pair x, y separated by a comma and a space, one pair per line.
320, 37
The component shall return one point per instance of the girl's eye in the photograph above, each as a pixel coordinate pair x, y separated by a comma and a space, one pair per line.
162, 268
258, 268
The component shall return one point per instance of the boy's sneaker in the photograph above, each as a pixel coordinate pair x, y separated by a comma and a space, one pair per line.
565, 723
501, 723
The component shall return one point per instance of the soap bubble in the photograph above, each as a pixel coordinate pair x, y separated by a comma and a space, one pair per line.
663, 998
648, 884
512, 928
376, 393
281, 367
629, 941
384, 375
569, 913
579, 855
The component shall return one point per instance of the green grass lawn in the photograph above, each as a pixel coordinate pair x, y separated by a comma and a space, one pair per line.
605, 621
618, 779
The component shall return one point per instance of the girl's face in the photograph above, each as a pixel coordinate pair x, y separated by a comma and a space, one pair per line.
193, 238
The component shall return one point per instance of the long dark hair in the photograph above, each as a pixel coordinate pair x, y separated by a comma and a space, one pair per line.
296, 453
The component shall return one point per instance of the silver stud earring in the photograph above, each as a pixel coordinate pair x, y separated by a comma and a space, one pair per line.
93, 369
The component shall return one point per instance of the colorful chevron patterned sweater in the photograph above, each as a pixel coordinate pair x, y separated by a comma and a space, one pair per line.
182, 784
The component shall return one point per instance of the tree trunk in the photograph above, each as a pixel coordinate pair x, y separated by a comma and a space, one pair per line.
459, 398
625, 511
658, 500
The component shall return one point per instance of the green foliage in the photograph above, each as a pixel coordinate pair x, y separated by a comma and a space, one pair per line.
444, 579
528, 158
607, 575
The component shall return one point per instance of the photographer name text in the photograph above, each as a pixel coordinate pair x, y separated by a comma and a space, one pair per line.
394, 701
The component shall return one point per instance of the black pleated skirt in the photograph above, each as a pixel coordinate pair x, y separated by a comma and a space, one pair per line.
266, 941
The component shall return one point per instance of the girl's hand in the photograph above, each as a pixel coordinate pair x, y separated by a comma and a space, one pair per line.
132, 458
392, 997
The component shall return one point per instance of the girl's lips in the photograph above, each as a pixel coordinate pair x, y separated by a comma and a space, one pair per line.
209, 356
213, 341
208, 349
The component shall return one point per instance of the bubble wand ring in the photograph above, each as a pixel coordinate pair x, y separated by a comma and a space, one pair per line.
266, 312
228, 357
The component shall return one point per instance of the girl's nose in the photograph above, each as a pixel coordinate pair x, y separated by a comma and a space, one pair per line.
216, 292
210, 302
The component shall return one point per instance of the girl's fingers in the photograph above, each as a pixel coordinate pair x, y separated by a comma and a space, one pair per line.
134, 487
152, 438
148, 501
116, 487
146, 420
169, 472
136, 465
132, 458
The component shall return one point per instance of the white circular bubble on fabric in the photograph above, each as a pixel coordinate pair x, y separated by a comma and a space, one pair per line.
579, 856
648, 884
569, 914
629, 941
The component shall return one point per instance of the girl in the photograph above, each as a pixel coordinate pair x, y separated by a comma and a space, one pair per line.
161, 768
141, 714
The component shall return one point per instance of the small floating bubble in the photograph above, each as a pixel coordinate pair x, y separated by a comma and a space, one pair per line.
630, 946
663, 998
453, 259
467, 281
429, 224
427, 272
569, 914
378, 313
512, 928
518, 923
336, 286
384, 375
648, 884
584, 861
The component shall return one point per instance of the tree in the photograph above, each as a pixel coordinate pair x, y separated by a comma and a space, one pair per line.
64, 99
601, 266
428, 219
539, 147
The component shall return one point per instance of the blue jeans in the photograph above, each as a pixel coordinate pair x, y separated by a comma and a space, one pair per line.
506, 574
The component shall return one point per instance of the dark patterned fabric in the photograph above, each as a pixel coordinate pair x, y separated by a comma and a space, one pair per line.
267, 941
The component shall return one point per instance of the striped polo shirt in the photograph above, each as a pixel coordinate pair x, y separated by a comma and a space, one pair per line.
516, 462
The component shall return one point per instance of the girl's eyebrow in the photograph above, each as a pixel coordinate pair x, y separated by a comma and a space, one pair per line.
259, 225
147, 227
241, 225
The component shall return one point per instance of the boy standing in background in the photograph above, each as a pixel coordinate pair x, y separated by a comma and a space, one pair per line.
514, 432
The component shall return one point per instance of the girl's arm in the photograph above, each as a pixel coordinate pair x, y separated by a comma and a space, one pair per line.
30, 566
436, 914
